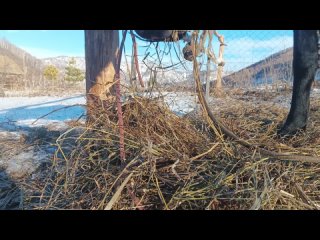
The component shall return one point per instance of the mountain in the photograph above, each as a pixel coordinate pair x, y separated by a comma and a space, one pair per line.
163, 77
62, 61
18, 69
16, 61
276, 67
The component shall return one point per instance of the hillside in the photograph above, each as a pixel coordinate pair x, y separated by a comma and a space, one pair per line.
276, 67
19, 70
21, 74
14, 60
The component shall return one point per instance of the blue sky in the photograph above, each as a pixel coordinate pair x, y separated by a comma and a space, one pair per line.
47, 43
244, 46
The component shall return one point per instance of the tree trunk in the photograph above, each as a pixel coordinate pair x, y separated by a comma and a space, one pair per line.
219, 91
208, 80
133, 76
100, 49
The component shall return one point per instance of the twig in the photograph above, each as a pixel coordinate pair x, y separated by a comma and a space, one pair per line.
305, 197
205, 153
118, 96
136, 58
75, 105
116, 196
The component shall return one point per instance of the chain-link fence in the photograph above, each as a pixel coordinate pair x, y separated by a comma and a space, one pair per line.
252, 58
258, 57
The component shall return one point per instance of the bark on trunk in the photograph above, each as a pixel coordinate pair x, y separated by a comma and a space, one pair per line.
100, 49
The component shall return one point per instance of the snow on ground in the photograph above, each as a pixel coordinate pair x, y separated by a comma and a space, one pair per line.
17, 115
25, 162
21, 112
316, 90
180, 103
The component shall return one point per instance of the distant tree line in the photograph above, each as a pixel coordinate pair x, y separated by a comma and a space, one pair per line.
72, 73
21, 72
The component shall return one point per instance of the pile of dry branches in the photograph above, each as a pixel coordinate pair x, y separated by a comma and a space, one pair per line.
87, 165
171, 164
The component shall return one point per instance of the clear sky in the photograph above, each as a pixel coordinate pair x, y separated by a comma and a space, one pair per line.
47, 43
244, 46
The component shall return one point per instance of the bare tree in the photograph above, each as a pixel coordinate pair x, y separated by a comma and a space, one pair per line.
208, 80
208, 70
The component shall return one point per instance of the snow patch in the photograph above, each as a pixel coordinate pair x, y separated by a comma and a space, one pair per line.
180, 103
25, 162
10, 135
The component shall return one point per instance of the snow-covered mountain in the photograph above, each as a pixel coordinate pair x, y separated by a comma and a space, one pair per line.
167, 76
62, 61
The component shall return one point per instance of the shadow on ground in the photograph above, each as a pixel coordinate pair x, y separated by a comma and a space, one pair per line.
11, 195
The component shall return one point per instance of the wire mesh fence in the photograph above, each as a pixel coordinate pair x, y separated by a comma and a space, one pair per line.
260, 59
252, 58
255, 58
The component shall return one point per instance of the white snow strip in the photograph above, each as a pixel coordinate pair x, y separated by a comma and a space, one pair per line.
23, 111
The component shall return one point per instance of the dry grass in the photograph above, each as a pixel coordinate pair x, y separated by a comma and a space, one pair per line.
178, 163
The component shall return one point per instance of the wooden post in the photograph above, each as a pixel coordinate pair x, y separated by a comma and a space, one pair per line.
100, 49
